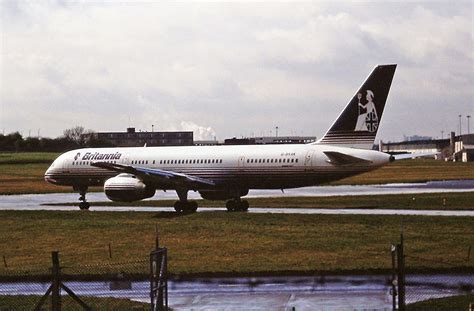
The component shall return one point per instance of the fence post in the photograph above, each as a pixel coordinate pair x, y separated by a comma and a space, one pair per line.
401, 274
393, 251
56, 286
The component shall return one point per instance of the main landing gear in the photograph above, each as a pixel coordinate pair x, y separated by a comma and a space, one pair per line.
237, 205
183, 205
84, 205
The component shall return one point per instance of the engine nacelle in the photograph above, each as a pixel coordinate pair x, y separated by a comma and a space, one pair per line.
127, 188
221, 195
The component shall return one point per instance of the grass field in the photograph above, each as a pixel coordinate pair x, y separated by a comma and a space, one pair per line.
422, 201
234, 243
23, 173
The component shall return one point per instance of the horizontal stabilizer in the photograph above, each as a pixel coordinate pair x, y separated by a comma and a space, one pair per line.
414, 155
339, 158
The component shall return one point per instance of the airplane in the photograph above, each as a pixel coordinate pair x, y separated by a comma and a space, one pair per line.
228, 172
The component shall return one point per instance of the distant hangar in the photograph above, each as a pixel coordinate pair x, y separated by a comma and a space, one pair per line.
455, 148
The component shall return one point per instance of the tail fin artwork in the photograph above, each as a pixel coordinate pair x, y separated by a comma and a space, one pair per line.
358, 123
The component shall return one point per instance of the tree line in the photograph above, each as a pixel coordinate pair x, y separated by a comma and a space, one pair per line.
73, 138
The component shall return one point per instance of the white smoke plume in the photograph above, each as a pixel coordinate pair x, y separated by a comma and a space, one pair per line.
200, 132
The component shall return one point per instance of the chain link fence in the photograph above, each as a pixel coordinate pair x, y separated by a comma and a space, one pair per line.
411, 289
105, 286
422, 287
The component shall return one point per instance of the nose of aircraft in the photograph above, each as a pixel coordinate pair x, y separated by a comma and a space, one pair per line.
49, 175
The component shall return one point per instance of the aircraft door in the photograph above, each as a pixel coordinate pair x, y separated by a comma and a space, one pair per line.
308, 160
126, 159
241, 163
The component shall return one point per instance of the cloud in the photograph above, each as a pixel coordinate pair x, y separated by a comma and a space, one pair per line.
230, 69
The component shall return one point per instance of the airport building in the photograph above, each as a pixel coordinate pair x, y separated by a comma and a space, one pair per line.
455, 148
132, 138
264, 140
464, 148
270, 140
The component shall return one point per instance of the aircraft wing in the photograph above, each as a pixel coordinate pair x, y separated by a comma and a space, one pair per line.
157, 175
340, 158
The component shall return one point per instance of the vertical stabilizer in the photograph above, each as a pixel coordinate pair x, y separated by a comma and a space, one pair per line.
359, 122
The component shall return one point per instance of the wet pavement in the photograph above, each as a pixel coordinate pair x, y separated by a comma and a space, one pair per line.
271, 293
39, 201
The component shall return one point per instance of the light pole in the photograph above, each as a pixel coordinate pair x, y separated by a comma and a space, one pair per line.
468, 117
442, 134
460, 124
276, 131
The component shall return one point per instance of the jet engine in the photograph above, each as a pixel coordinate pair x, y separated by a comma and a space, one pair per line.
127, 188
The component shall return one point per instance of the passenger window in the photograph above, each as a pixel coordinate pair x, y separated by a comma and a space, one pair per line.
296, 160
221, 160
279, 160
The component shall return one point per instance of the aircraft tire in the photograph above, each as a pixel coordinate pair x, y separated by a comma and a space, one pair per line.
84, 205
231, 205
244, 206
192, 207
178, 206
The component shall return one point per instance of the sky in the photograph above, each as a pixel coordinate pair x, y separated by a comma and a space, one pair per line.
232, 69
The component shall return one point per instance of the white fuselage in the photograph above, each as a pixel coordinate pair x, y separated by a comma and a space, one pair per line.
237, 167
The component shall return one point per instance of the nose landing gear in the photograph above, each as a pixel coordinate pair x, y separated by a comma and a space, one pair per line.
84, 205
